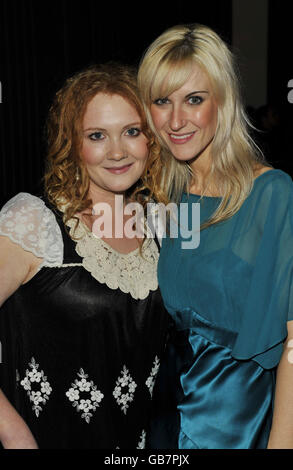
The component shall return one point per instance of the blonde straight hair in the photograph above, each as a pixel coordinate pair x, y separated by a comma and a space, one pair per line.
164, 68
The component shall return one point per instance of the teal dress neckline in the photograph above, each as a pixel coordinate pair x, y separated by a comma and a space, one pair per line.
230, 300
220, 197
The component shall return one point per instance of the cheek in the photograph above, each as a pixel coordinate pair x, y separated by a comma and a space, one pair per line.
138, 149
91, 154
207, 117
158, 117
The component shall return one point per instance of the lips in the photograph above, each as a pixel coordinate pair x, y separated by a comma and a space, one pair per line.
119, 170
181, 138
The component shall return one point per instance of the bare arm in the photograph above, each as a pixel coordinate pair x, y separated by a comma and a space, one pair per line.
14, 433
17, 266
281, 436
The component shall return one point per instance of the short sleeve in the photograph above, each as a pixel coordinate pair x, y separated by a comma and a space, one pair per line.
268, 248
27, 221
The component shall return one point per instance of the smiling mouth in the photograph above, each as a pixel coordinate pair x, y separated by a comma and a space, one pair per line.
182, 138
119, 170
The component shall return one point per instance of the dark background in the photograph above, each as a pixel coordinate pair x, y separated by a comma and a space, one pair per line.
42, 42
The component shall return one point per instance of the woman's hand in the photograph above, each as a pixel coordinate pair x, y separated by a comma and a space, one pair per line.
281, 436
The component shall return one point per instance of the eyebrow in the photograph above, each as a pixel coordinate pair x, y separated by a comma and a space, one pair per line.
194, 92
131, 124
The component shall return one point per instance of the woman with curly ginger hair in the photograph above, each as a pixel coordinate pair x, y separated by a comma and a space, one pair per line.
82, 324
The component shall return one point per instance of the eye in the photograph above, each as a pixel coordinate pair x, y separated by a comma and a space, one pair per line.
96, 136
133, 132
161, 101
195, 99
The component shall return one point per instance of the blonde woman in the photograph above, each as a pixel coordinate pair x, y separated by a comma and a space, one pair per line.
82, 324
230, 298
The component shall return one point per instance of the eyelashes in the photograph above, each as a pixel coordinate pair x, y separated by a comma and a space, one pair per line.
192, 100
161, 101
196, 99
134, 132
96, 136
99, 136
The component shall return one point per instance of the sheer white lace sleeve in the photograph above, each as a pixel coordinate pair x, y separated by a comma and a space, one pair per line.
27, 221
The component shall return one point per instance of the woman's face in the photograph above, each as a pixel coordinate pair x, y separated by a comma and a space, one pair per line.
187, 119
114, 149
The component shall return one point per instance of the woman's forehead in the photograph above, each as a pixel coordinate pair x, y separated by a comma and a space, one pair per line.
169, 79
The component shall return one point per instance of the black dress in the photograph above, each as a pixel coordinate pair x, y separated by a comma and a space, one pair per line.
79, 358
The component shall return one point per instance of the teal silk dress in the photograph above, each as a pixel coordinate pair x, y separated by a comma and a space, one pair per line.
230, 300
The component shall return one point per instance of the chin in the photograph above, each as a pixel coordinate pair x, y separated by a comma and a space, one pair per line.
181, 153
118, 190
121, 189
183, 157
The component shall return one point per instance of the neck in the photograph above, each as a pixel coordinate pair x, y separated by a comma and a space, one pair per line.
201, 169
114, 219
99, 195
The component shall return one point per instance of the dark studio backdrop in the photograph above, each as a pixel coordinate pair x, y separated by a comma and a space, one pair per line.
43, 42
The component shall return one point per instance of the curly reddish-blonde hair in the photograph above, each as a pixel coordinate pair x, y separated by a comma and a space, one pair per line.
66, 177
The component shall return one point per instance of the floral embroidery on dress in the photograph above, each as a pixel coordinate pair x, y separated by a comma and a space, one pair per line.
86, 405
124, 381
132, 273
150, 382
142, 439
40, 396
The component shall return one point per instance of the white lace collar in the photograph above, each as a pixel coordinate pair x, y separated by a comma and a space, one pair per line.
132, 273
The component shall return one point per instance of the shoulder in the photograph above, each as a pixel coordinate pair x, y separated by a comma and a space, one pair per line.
25, 207
26, 204
28, 222
273, 182
26, 212
23, 201
271, 200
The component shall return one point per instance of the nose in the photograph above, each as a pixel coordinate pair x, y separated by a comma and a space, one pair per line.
177, 118
116, 151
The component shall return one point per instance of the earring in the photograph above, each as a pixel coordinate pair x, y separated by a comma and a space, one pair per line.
77, 177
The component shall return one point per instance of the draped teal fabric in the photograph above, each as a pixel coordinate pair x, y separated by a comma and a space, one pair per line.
230, 300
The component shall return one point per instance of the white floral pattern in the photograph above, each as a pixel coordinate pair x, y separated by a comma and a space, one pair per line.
35, 376
124, 381
86, 405
27, 221
150, 382
132, 273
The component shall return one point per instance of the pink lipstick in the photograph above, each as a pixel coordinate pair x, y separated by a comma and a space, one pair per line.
181, 138
119, 170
